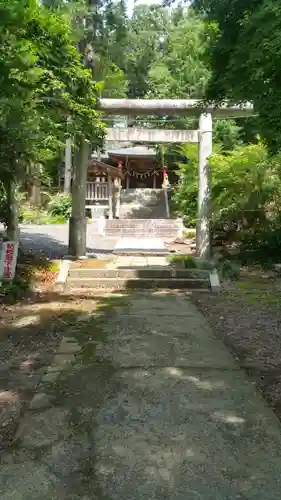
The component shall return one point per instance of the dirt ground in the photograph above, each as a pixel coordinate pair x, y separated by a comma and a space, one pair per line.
247, 317
30, 332
184, 246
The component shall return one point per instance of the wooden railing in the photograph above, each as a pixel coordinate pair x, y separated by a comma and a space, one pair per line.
97, 191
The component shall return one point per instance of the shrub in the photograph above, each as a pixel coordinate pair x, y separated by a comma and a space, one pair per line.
229, 270
60, 206
262, 247
187, 261
185, 194
33, 215
246, 198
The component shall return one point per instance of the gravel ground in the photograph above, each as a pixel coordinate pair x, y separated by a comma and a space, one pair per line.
247, 317
52, 240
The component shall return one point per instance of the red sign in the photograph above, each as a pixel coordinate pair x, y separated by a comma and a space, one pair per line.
9, 260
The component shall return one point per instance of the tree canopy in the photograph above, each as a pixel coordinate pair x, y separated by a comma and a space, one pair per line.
43, 82
179, 70
246, 56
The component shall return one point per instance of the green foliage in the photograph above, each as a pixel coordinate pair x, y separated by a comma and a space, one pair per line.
185, 193
100, 29
245, 188
190, 262
227, 134
246, 58
263, 246
32, 215
12, 292
3, 205
229, 269
30, 269
113, 81
60, 206
187, 261
42, 83
146, 29
180, 70
57, 211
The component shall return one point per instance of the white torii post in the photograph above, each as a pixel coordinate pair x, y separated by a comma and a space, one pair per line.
117, 193
110, 198
203, 229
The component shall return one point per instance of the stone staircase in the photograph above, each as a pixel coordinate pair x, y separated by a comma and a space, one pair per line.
166, 229
137, 279
142, 204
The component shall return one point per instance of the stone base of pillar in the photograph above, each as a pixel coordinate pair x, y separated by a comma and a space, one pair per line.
203, 239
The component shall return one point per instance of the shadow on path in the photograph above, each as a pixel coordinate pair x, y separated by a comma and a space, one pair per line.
153, 407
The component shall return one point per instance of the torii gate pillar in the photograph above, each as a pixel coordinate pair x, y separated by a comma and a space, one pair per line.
203, 227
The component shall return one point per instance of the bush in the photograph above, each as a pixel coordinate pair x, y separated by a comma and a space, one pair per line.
186, 261
185, 193
262, 247
12, 292
60, 206
33, 215
246, 198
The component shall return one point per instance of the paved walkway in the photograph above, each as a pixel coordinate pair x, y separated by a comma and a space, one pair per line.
136, 262
135, 245
154, 408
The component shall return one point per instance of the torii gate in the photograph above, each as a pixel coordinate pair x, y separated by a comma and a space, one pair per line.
202, 136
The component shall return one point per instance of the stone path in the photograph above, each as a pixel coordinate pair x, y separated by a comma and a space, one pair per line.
153, 408
135, 262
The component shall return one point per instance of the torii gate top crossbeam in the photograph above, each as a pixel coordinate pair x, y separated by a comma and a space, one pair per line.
188, 107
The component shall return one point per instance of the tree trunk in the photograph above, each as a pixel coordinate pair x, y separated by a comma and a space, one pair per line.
67, 166
12, 210
78, 221
36, 193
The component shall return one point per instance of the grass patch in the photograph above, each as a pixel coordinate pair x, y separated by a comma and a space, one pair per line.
189, 233
258, 291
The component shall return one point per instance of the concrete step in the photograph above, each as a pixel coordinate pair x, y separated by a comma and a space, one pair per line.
139, 272
136, 283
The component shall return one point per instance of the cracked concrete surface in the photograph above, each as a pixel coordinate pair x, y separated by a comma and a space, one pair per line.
153, 407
